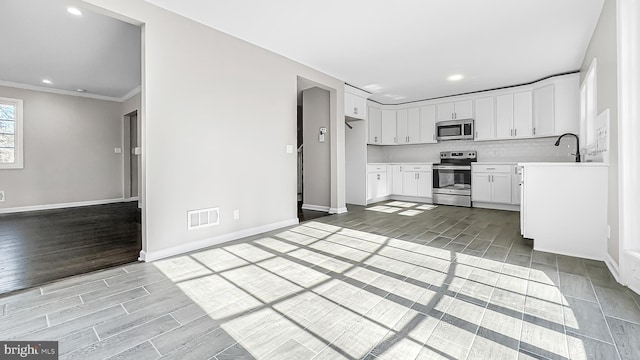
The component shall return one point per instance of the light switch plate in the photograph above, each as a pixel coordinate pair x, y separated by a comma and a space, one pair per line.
117, 150
289, 149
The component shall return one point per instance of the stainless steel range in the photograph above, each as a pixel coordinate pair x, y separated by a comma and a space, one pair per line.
452, 178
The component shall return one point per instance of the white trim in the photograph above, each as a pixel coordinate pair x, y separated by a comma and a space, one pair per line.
375, 200
315, 207
337, 210
135, 198
131, 94
613, 267
126, 97
628, 134
201, 244
19, 209
495, 206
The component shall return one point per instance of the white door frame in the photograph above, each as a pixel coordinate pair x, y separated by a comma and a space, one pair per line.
628, 12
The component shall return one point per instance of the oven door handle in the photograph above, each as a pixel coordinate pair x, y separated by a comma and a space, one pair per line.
451, 167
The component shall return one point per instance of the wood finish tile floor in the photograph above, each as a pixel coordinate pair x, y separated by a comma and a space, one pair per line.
392, 282
41, 246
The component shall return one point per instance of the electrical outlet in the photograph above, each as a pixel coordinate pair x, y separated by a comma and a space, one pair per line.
236, 214
1, 195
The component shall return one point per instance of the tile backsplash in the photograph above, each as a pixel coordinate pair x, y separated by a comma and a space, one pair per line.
522, 150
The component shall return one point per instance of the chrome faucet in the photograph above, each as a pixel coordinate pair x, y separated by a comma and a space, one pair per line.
577, 154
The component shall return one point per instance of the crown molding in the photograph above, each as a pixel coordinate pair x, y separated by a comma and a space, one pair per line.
128, 96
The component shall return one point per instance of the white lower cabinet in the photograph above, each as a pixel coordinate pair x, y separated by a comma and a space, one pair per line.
491, 183
377, 184
416, 180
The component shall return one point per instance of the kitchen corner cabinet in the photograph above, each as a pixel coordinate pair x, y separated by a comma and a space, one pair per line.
485, 118
491, 183
375, 126
514, 115
428, 124
408, 126
355, 106
388, 127
457, 110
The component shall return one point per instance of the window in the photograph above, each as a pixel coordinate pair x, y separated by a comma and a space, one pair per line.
10, 133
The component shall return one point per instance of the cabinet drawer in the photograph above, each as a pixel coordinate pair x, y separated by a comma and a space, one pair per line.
492, 168
376, 168
416, 167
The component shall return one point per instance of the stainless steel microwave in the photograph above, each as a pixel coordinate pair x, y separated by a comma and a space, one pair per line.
455, 130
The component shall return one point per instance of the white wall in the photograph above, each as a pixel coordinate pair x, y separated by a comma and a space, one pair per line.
316, 155
217, 114
356, 163
522, 150
603, 46
69, 154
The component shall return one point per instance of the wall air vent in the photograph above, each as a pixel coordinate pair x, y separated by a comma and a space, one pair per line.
202, 218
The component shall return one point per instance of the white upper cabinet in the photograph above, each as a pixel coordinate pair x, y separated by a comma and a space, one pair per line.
413, 125
485, 118
457, 110
428, 124
522, 114
355, 103
408, 126
388, 127
513, 115
504, 116
543, 111
375, 126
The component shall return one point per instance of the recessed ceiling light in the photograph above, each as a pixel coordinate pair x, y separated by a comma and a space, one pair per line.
47, 81
80, 90
372, 87
74, 11
455, 77
394, 96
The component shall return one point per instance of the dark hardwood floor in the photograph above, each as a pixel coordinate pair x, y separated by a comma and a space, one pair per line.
41, 246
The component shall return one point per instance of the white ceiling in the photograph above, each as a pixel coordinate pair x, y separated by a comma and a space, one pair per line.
410, 47
92, 52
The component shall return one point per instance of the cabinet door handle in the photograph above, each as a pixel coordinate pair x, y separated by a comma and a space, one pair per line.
355, 110
534, 131
395, 139
489, 178
434, 136
491, 168
515, 132
407, 139
378, 176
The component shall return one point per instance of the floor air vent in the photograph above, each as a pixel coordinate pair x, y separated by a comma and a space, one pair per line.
203, 218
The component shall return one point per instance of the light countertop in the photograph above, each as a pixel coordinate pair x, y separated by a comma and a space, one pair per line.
564, 164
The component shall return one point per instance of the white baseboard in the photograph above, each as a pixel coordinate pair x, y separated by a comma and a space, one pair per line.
341, 210
201, 244
613, 267
315, 207
372, 201
494, 206
134, 198
61, 205
418, 199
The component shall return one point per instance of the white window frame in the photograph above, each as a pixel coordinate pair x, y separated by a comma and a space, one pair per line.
18, 134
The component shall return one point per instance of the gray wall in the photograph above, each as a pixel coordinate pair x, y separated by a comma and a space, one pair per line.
217, 114
316, 155
69, 154
603, 46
